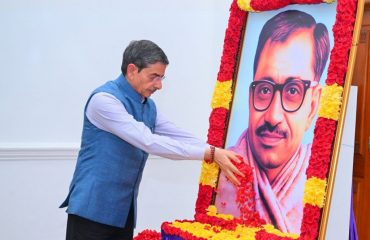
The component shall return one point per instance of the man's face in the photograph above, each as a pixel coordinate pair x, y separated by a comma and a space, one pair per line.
148, 80
274, 133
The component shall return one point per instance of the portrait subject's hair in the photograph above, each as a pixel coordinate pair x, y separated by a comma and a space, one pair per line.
142, 53
283, 25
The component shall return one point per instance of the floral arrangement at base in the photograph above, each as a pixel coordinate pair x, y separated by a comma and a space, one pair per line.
221, 226
212, 225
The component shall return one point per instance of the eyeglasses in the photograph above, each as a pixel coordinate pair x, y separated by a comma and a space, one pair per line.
292, 93
158, 78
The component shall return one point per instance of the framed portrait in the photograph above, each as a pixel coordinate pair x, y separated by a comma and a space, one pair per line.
279, 102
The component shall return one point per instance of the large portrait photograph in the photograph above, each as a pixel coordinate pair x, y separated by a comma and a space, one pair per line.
283, 66
279, 102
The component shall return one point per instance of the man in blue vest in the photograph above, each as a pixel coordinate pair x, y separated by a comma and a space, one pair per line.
121, 127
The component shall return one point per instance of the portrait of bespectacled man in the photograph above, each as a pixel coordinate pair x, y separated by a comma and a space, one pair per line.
282, 96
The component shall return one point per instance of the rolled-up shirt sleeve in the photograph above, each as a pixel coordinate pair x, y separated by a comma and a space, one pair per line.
106, 112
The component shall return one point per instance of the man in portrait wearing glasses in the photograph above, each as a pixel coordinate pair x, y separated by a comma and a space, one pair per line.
121, 127
284, 95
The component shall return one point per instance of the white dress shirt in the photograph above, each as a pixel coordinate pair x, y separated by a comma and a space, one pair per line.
109, 114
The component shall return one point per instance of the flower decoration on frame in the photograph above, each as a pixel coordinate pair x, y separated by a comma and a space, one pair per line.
315, 189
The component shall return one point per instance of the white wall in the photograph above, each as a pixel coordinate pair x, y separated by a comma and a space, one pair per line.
53, 54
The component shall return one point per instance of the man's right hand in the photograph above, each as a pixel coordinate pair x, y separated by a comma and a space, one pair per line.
224, 159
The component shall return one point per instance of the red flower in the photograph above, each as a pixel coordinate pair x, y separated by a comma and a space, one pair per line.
148, 235
321, 148
231, 42
218, 118
310, 224
245, 195
216, 137
204, 198
263, 235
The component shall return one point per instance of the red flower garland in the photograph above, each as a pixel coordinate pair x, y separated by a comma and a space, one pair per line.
310, 224
325, 129
216, 134
342, 31
322, 146
217, 131
204, 199
231, 42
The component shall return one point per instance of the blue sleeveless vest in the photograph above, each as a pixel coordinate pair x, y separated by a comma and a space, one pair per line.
109, 170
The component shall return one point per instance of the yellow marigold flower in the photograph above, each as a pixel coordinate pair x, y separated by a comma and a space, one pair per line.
331, 101
245, 5
212, 211
246, 233
207, 231
328, 1
271, 229
209, 174
222, 94
314, 192
197, 229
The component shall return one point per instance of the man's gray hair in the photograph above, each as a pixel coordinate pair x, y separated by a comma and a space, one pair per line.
142, 53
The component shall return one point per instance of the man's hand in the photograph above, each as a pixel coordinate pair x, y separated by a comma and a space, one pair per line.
224, 159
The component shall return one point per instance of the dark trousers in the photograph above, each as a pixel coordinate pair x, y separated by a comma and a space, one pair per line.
79, 228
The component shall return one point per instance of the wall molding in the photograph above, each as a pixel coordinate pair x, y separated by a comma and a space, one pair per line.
35, 153
38, 153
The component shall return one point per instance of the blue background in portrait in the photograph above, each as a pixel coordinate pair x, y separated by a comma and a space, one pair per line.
323, 13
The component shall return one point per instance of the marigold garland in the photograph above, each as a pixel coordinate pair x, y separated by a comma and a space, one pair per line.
216, 134
222, 95
216, 137
310, 225
218, 118
231, 42
204, 199
209, 174
331, 101
324, 134
314, 191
